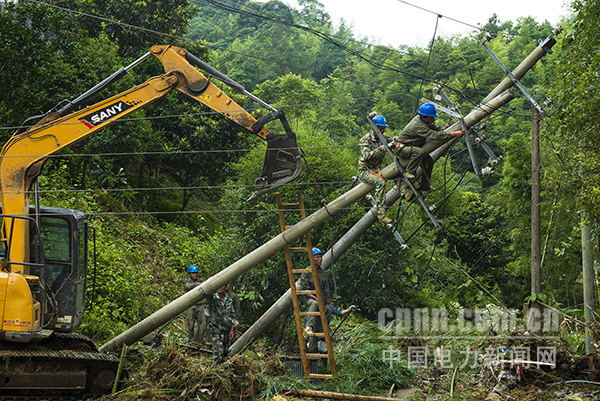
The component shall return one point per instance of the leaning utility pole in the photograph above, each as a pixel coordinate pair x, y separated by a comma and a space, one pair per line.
390, 172
208, 287
499, 97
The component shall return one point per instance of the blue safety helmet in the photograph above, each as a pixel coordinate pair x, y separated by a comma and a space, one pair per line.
317, 251
380, 121
193, 269
428, 109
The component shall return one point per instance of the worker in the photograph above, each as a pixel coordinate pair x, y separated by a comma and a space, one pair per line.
372, 152
221, 323
333, 311
412, 138
196, 317
236, 301
313, 323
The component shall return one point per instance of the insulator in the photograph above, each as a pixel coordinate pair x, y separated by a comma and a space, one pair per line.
404, 247
477, 140
369, 197
482, 126
487, 171
488, 36
432, 208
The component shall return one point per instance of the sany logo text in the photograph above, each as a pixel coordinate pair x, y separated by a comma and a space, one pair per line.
104, 114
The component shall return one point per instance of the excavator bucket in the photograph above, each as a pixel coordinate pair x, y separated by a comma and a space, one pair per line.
283, 163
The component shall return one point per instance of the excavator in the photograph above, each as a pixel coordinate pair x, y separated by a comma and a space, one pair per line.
44, 262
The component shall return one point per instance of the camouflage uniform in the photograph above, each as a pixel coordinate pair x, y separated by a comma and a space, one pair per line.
307, 283
220, 320
196, 318
413, 137
236, 303
371, 156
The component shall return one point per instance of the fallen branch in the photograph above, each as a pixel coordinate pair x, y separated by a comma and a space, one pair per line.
337, 396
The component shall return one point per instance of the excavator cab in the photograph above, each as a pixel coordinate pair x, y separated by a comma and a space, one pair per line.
56, 272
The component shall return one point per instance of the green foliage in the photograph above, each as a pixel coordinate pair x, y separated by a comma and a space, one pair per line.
156, 17
572, 131
191, 169
364, 369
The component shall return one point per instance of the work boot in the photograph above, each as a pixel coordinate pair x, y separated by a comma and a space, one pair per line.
308, 330
384, 218
410, 196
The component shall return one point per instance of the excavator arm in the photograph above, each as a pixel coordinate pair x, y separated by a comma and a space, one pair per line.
24, 155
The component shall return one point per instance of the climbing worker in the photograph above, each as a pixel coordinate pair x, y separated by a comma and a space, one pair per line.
221, 323
412, 138
196, 318
313, 323
372, 152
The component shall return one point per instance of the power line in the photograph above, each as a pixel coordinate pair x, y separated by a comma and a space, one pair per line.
324, 36
201, 187
440, 15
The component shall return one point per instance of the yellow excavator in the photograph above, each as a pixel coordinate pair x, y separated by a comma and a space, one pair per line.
43, 268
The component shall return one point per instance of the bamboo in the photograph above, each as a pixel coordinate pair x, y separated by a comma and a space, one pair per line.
337, 396
119, 369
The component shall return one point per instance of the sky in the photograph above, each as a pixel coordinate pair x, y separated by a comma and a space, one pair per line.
400, 22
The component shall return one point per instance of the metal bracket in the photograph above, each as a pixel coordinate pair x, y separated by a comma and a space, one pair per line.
406, 180
512, 77
390, 226
457, 114
480, 140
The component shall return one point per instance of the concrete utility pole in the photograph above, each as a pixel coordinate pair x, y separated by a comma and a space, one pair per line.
588, 285
238, 268
536, 268
265, 251
499, 97
285, 301
337, 250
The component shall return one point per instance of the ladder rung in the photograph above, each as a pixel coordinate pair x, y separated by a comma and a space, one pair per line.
317, 356
297, 271
310, 314
298, 249
320, 376
315, 335
304, 292
290, 205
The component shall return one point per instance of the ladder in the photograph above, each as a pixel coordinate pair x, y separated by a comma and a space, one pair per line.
295, 293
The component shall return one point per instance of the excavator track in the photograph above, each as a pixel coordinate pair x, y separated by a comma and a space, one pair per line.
65, 366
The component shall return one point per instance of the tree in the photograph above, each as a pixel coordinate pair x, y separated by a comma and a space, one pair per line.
45, 60
134, 26
573, 131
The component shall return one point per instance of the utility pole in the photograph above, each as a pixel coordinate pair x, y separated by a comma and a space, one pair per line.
535, 311
588, 285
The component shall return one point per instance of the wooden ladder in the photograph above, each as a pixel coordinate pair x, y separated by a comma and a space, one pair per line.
295, 293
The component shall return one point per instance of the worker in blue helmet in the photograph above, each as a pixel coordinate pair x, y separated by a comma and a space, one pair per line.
372, 153
313, 323
412, 138
195, 315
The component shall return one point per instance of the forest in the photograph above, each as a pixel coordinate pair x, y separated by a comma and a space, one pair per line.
167, 187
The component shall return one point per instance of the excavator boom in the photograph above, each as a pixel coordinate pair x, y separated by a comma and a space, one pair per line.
43, 266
